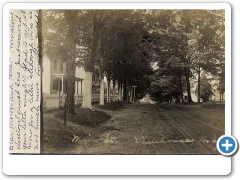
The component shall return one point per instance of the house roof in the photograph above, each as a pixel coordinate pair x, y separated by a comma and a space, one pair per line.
65, 76
78, 79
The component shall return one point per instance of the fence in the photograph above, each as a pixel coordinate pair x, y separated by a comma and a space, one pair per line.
52, 101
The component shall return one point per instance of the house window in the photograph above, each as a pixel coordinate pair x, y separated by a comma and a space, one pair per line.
61, 67
66, 67
55, 65
57, 84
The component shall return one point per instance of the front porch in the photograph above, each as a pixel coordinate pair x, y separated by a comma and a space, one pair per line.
59, 84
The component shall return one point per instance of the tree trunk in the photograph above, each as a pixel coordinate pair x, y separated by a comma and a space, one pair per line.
129, 92
220, 98
120, 91
113, 93
180, 84
65, 112
70, 88
71, 71
102, 91
107, 93
199, 84
87, 93
125, 89
188, 85
89, 65
132, 94
108, 90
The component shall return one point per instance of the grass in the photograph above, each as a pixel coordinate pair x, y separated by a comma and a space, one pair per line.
85, 117
190, 103
58, 138
208, 104
213, 105
110, 106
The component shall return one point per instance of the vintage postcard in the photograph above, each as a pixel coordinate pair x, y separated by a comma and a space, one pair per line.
144, 80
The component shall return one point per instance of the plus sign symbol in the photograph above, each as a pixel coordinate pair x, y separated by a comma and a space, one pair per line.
227, 145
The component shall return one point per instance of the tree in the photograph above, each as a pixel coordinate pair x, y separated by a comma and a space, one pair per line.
59, 34
77, 33
194, 36
121, 53
221, 86
170, 30
71, 18
165, 85
98, 20
205, 89
208, 43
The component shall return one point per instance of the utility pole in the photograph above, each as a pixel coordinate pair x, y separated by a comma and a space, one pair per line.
134, 95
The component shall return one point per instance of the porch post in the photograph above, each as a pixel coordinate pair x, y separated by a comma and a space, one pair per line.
59, 101
62, 86
81, 87
77, 86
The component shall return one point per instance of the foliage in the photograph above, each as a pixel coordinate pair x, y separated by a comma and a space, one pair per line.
205, 88
123, 45
124, 56
186, 39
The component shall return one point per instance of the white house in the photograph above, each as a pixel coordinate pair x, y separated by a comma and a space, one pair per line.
55, 77
54, 84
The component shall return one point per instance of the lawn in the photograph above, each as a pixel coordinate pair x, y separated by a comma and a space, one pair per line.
110, 106
85, 117
58, 138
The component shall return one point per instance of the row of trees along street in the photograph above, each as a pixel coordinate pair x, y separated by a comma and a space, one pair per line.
159, 51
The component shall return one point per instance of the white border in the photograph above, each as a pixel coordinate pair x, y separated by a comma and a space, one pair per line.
113, 164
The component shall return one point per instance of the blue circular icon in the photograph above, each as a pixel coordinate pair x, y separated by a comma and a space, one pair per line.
227, 145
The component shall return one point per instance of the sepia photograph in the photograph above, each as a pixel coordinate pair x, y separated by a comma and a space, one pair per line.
132, 81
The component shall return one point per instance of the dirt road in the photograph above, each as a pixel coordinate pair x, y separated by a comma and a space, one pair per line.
155, 129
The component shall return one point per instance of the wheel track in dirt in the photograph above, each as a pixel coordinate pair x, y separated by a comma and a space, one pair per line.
181, 128
169, 128
198, 120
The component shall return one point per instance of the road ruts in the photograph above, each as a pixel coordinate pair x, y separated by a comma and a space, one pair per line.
170, 133
154, 122
180, 128
199, 126
199, 120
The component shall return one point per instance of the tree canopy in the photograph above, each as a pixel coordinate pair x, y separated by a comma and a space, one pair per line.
160, 51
